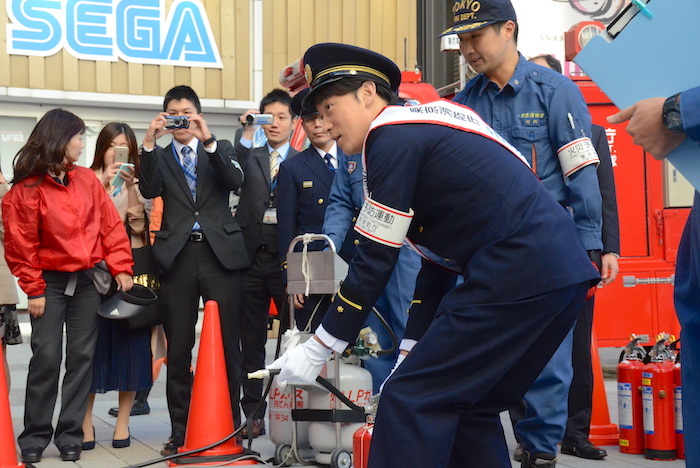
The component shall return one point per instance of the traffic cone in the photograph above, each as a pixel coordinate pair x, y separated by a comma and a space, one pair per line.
211, 418
8, 453
273, 310
602, 432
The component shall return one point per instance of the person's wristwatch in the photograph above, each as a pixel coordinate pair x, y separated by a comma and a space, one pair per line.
209, 140
671, 114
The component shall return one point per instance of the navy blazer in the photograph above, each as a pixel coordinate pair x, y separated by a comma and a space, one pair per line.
217, 175
606, 180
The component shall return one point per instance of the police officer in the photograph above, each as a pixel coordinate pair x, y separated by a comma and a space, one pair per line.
526, 274
543, 115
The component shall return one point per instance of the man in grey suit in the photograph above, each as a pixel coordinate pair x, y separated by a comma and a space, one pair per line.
257, 215
199, 249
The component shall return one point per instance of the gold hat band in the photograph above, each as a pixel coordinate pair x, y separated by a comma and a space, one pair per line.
352, 70
464, 27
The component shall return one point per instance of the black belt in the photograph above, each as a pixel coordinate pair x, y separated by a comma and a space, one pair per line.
196, 237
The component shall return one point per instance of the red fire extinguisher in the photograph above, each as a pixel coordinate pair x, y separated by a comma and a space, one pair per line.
658, 404
678, 408
361, 441
629, 396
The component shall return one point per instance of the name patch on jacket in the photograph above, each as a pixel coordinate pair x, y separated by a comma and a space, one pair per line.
307, 184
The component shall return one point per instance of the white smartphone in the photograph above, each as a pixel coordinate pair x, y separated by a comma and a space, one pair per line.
121, 154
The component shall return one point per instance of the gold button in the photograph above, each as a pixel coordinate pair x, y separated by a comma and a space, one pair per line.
320, 201
340, 309
354, 219
356, 241
420, 228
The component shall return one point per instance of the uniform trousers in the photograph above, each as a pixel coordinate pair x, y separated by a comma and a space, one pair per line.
687, 302
578, 424
79, 314
441, 406
260, 282
197, 273
546, 402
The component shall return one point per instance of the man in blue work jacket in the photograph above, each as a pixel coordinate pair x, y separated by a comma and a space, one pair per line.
543, 115
439, 175
660, 125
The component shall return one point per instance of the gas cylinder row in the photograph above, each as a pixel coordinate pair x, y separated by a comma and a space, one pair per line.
649, 399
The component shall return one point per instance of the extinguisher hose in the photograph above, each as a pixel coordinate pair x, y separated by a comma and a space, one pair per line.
394, 340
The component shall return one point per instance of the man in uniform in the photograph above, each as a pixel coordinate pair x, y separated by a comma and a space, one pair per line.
660, 125
543, 114
427, 176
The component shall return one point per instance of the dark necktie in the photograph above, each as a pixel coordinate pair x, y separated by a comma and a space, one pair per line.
329, 162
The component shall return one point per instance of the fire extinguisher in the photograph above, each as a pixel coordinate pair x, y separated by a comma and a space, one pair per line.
629, 396
361, 441
678, 407
657, 402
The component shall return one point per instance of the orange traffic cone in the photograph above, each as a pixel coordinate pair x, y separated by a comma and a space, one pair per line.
602, 431
210, 418
273, 310
8, 454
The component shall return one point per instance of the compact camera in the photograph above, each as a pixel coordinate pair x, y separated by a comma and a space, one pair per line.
259, 119
176, 122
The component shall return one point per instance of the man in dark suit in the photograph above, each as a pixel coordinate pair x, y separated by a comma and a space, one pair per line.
257, 215
303, 192
199, 249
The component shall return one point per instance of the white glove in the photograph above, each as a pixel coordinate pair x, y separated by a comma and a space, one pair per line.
399, 360
302, 364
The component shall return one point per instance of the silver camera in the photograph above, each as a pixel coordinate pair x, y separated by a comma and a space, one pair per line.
259, 119
176, 122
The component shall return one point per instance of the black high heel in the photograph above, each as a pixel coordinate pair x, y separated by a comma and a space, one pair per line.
122, 443
90, 444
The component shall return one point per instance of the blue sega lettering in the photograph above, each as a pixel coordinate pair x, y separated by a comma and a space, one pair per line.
106, 30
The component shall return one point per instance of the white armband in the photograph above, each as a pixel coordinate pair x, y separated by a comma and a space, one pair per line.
383, 224
576, 155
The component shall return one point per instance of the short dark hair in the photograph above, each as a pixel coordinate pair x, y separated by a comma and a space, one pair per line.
497, 26
46, 146
552, 62
350, 85
179, 93
277, 95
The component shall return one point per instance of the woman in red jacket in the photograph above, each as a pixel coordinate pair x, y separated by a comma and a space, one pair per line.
59, 224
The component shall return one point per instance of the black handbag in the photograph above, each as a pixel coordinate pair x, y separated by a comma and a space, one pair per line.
145, 275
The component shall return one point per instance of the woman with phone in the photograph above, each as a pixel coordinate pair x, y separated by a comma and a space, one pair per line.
122, 356
59, 225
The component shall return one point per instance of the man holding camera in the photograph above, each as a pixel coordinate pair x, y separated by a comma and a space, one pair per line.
199, 249
257, 215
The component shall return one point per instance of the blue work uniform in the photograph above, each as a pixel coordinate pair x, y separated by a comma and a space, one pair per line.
687, 296
345, 200
538, 112
477, 203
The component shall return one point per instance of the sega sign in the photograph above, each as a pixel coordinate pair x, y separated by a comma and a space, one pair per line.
107, 30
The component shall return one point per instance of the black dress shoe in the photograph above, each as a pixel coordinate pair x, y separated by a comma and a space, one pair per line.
32, 454
139, 407
175, 441
583, 449
258, 428
70, 452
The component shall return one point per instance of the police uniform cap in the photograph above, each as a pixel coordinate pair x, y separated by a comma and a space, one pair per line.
298, 106
470, 15
329, 62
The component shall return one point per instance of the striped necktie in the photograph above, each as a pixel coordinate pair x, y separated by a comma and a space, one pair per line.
329, 162
190, 170
274, 165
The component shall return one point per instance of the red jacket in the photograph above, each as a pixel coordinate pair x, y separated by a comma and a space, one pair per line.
50, 226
